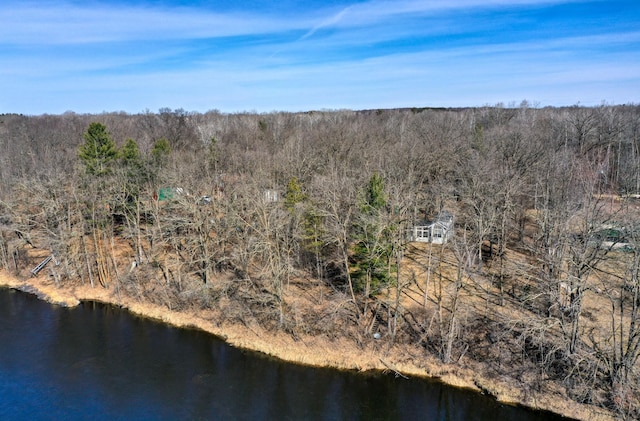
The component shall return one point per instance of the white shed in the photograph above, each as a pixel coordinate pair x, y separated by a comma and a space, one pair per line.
271, 195
436, 232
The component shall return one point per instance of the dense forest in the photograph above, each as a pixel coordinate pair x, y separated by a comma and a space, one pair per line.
252, 213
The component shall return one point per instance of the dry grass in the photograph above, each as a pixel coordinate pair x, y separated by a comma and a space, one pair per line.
340, 350
482, 300
318, 351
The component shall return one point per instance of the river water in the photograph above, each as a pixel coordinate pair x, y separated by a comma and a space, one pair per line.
99, 362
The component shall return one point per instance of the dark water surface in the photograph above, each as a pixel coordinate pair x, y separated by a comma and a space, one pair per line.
99, 362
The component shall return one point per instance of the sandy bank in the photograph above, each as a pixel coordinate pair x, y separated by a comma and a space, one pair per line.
339, 353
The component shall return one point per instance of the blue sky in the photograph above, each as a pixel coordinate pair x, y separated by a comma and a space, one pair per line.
92, 56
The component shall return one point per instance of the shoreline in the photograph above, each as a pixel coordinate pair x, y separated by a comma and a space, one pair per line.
308, 350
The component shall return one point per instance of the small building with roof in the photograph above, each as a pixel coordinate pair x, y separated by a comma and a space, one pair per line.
438, 231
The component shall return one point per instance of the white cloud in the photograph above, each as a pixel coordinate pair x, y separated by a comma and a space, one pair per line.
62, 23
332, 20
380, 10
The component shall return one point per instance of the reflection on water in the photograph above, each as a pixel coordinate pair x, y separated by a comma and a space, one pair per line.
99, 362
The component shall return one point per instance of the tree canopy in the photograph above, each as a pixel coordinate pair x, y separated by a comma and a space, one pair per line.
98, 152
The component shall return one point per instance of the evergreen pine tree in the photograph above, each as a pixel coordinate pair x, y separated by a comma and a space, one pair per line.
98, 152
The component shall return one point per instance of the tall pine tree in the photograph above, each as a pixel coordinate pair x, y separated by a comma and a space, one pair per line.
372, 236
98, 152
